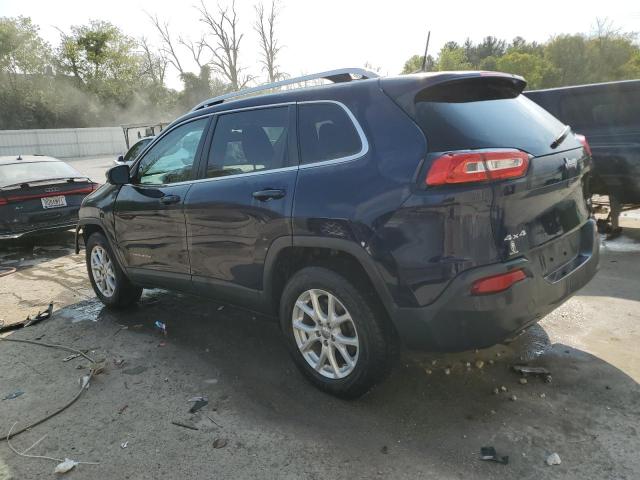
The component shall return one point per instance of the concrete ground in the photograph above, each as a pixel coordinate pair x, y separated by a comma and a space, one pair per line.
270, 423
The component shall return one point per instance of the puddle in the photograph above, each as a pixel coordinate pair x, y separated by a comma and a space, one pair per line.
622, 244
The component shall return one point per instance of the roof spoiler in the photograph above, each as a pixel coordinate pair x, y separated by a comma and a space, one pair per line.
452, 87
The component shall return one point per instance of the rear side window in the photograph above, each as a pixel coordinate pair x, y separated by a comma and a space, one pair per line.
499, 123
326, 133
602, 109
249, 141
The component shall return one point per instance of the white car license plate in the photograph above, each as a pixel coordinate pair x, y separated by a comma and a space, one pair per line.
54, 202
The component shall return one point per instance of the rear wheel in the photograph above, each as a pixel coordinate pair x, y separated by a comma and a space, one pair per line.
108, 280
334, 332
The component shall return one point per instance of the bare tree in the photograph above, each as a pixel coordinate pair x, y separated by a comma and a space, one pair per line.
153, 65
168, 49
195, 48
265, 27
225, 44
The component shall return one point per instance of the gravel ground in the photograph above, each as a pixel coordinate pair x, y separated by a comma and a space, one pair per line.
270, 423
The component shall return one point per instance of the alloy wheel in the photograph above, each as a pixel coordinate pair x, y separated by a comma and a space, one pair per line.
325, 333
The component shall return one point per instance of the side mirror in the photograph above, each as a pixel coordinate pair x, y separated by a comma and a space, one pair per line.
120, 158
118, 175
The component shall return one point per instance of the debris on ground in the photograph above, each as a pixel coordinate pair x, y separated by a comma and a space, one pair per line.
40, 316
447, 371
384, 449
538, 371
4, 271
220, 442
66, 466
13, 395
427, 371
489, 454
198, 403
523, 381
71, 357
513, 398
503, 388
553, 459
542, 395
221, 308
162, 343
161, 326
479, 364
124, 445
184, 425
122, 409
496, 391
118, 362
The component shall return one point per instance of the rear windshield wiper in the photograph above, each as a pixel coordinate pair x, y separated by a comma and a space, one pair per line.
560, 138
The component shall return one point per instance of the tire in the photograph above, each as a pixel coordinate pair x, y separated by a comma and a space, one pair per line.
371, 358
118, 291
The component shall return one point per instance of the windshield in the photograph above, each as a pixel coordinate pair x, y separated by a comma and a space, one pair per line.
33, 171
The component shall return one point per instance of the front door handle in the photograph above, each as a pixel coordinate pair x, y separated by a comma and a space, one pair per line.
268, 194
169, 199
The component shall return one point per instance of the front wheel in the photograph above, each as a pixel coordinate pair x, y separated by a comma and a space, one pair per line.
335, 332
108, 280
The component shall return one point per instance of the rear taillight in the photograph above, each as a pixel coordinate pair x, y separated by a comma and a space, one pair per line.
3, 201
76, 191
477, 166
583, 140
497, 283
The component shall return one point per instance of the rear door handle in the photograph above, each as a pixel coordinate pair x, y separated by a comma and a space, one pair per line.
169, 199
268, 194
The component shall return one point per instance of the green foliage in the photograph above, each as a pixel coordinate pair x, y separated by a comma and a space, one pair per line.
414, 64
605, 55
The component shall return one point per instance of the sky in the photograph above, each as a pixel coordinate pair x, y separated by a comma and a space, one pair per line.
326, 34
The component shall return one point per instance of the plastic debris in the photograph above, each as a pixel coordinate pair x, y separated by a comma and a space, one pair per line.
447, 371
489, 454
427, 371
71, 357
523, 381
84, 381
220, 307
13, 395
161, 326
503, 388
513, 398
479, 364
198, 403
553, 459
124, 444
65, 466
220, 442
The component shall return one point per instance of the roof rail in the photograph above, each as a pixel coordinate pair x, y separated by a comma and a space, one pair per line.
339, 75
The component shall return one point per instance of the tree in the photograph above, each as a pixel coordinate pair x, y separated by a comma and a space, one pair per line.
102, 59
452, 57
22, 51
265, 27
414, 64
224, 44
534, 68
568, 54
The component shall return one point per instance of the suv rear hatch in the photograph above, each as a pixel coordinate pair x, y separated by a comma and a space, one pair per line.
462, 113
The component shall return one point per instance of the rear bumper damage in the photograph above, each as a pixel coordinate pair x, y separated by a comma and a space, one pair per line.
458, 321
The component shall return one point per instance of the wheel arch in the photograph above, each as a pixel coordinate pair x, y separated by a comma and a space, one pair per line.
286, 256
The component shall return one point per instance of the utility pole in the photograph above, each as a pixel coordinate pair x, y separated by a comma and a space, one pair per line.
426, 49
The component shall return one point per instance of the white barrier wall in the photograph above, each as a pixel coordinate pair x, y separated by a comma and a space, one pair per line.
63, 142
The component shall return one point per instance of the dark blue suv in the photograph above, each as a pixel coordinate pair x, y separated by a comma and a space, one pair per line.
443, 211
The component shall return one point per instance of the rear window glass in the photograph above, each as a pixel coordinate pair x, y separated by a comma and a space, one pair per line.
34, 171
602, 109
497, 123
326, 133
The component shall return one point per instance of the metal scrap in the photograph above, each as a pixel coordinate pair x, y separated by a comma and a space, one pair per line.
489, 454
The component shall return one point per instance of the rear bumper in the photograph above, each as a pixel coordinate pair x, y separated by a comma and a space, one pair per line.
38, 231
458, 321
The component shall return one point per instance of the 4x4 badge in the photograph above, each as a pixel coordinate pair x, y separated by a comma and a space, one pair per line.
511, 238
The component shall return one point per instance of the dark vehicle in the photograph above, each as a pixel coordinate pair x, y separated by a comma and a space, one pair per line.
39, 194
443, 210
609, 115
135, 151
